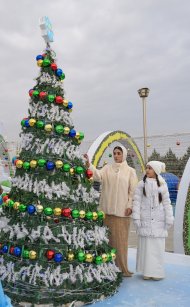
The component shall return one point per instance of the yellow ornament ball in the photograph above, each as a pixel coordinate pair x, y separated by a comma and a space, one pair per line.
19, 164
89, 258
66, 130
104, 257
48, 127
39, 208
90, 179
59, 164
94, 216
70, 110
16, 205
57, 211
113, 256
33, 163
70, 256
32, 255
77, 136
65, 102
32, 122
72, 171
82, 214
40, 63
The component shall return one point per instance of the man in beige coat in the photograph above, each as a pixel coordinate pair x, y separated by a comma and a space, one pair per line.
118, 181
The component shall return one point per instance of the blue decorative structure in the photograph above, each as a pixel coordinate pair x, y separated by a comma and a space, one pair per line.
173, 183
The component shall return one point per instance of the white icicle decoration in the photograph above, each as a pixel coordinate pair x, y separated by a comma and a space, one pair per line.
77, 237
51, 277
52, 113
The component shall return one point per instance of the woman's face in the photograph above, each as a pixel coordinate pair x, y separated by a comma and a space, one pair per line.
118, 156
150, 172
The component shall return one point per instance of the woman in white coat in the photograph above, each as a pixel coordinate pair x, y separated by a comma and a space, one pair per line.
118, 184
153, 216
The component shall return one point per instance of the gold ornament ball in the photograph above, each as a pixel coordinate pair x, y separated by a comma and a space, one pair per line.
70, 110
77, 136
33, 163
72, 171
82, 214
57, 211
19, 164
90, 179
16, 205
113, 256
89, 258
59, 164
32, 122
32, 255
94, 216
39, 63
104, 257
48, 127
70, 256
66, 130
65, 103
39, 208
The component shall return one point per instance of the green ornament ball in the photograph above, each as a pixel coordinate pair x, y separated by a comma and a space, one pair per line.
113, 251
100, 215
22, 123
10, 203
26, 165
22, 208
110, 155
81, 135
41, 162
79, 170
66, 167
59, 129
62, 77
75, 213
35, 93
40, 124
98, 260
46, 62
25, 254
81, 256
109, 257
89, 215
48, 211
51, 98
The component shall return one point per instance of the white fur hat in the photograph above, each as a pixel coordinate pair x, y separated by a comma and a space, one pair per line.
158, 167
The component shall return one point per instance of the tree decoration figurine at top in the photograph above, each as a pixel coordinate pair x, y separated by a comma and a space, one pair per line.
54, 248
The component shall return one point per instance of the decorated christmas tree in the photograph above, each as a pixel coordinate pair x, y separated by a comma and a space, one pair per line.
54, 248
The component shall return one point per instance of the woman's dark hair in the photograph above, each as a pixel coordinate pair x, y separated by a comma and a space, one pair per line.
118, 147
158, 183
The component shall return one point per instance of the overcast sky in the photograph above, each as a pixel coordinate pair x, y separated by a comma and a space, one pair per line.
108, 49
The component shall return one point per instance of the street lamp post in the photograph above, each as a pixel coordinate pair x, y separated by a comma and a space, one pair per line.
143, 93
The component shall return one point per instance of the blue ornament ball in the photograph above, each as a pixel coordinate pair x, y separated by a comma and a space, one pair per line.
72, 133
1, 200
39, 57
26, 123
5, 249
31, 209
58, 257
50, 165
13, 159
59, 72
70, 105
17, 251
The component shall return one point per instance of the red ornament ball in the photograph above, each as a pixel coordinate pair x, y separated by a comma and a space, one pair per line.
56, 221
89, 173
44, 55
58, 99
53, 66
11, 250
177, 143
5, 198
50, 254
15, 161
42, 95
66, 212
30, 92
